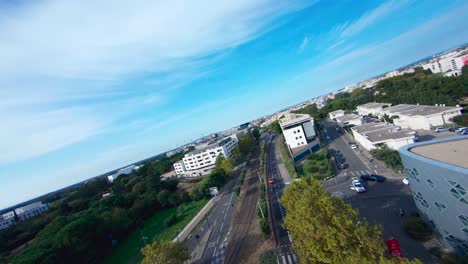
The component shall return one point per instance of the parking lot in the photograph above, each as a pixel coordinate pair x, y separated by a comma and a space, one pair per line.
381, 203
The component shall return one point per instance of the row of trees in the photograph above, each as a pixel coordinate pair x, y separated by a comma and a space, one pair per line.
85, 227
325, 229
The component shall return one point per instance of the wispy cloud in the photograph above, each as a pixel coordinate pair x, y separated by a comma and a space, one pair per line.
66, 63
303, 45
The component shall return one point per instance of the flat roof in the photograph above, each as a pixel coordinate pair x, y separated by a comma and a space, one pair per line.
374, 105
379, 131
347, 117
337, 111
418, 110
294, 119
219, 143
453, 152
369, 127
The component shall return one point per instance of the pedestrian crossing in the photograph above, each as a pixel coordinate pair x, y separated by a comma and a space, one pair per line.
287, 258
358, 173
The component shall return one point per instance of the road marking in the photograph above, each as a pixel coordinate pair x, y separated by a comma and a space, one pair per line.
368, 172
214, 252
289, 259
375, 171
221, 229
284, 259
363, 172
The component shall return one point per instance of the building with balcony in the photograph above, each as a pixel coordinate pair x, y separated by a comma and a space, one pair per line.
299, 134
437, 172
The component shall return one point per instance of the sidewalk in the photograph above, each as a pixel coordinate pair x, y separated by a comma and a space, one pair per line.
283, 172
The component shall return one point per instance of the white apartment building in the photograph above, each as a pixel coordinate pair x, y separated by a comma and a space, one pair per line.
422, 117
350, 120
201, 162
336, 113
375, 109
298, 129
7, 219
373, 135
452, 66
31, 210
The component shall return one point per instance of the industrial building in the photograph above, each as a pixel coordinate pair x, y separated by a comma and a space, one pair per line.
375, 109
424, 117
376, 134
350, 120
201, 162
7, 220
336, 113
437, 172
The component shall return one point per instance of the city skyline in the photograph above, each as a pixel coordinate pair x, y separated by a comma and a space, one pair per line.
129, 97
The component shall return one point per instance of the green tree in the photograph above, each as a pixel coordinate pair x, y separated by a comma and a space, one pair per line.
227, 165
275, 127
324, 229
245, 144
165, 252
256, 133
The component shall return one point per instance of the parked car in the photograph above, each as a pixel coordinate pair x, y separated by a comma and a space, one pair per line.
340, 159
342, 166
464, 133
373, 177
357, 186
441, 129
270, 181
461, 129
405, 181
354, 146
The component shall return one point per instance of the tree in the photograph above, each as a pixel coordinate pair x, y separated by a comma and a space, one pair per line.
236, 155
256, 133
275, 127
165, 252
227, 165
324, 229
245, 144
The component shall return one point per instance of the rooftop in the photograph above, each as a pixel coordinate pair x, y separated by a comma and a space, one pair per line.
378, 131
294, 119
337, 111
374, 105
219, 143
453, 152
347, 117
418, 110
29, 206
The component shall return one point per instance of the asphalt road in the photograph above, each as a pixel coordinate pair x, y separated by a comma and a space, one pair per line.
216, 226
381, 203
275, 191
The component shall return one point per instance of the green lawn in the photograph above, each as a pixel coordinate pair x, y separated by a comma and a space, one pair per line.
129, 250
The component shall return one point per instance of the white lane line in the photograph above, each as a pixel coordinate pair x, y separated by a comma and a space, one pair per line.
289, 259
284, 259
294, 257
214, 252
368, 172
230, 201
221, 229
363, 172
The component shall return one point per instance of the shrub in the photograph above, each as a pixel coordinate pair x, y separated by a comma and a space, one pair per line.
237, 190
268, 257
265, 227
170, 220
417, 228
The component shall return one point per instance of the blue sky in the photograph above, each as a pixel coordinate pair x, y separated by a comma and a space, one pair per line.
90, 86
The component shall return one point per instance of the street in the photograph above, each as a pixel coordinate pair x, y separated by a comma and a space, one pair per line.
275, 191
381, 203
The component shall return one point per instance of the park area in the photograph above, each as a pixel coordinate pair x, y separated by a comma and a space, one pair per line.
154, 228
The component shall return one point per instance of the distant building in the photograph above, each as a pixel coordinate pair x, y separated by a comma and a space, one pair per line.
31, 210
422, 116
374, 135
437, 172
350, 120
375, 109
201, 162
7, 220
336, 113
173, 152
450, 66
124, 171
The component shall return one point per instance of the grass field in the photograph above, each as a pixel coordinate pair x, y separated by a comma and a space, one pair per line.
129, 250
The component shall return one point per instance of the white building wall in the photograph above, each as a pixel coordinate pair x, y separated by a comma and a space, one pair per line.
295, 136
396, 144
363, 141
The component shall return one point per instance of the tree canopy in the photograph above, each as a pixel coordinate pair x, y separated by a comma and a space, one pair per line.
324, 229
165, 252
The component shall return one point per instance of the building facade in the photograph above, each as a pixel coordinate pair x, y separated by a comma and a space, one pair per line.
201, 161
422, 117
450, 66
437, 171
31, 210
7, 220
298, 129
376, 134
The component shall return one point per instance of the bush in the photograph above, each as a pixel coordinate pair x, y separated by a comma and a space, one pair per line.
171, 220
389, 156
237, 190
448, 257
417, 228
268, 257
265, 227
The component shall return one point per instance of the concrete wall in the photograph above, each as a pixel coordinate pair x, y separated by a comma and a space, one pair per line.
432, 184
363, 141
295, 136
398, 143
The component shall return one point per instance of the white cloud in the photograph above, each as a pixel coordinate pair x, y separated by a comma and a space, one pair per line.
370, 17
304, 43
63, 62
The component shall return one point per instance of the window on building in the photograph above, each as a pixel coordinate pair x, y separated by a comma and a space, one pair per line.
294, 132
463, 219
465, 230
440, 206
297, 138
458, 192
298, 144
430, 183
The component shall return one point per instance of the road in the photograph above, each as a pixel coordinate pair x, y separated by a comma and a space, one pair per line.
214, 231
275, 191
381, 202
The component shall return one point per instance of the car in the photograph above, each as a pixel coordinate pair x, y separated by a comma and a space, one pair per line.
461, 129
357, 186
464, 133
354, 146
270, 180
340, 159
373, 177
342, 166
405, 181
441, 129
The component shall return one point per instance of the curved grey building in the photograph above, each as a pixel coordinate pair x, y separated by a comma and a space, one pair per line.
437, 172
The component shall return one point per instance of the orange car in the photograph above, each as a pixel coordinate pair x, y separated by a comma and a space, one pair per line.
270, 181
